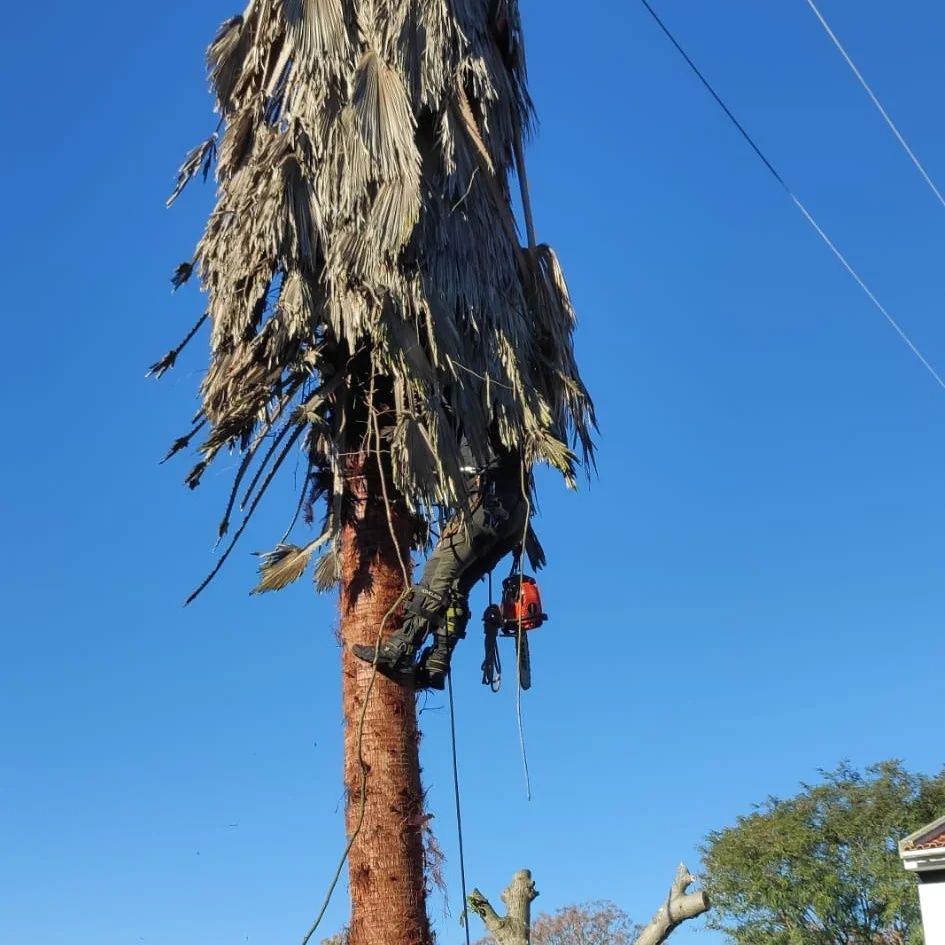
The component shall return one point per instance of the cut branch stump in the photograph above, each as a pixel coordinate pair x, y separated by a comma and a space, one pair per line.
515, 927
680, 905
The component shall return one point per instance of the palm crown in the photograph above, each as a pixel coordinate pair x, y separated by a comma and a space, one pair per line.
367, 287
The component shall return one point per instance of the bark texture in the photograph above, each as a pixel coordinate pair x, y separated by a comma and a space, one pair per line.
386, 861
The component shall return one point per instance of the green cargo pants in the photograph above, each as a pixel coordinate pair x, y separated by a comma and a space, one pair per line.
470, 547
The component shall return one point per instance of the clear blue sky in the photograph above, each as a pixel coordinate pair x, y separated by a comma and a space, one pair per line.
752, 589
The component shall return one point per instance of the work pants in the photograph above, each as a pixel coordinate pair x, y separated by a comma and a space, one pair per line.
475, 542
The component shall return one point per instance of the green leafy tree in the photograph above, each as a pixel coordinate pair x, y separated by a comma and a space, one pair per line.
822, 868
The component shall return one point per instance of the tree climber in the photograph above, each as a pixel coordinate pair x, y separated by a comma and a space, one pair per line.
493, 523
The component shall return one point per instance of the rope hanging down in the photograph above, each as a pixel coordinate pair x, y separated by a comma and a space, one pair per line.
879, 106
526, 496
796, 201
459, 815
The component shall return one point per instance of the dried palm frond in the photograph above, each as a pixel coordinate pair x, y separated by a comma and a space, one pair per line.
199, 160
328, 570
363, 258
534, 550
181, 274
159, 368
225, 59
284, 565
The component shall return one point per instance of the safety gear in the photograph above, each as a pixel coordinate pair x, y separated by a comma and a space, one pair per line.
494, 627
492, 663
394, 658
434, 665
426, 605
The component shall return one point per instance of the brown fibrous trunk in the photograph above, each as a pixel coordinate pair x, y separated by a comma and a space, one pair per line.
386, 860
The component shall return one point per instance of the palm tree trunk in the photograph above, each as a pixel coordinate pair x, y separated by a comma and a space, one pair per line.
386, 861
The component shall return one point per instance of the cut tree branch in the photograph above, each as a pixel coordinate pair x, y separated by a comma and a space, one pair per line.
679, 906
516, 927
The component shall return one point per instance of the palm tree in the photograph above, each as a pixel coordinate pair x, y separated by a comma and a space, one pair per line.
370, 304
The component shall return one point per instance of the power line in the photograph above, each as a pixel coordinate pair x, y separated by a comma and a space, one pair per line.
866, 289
877, 103
797, 202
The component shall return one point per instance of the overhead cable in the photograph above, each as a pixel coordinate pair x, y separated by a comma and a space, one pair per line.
797, 202
877, 103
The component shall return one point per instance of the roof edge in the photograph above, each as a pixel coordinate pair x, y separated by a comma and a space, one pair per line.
923, 861
913, 842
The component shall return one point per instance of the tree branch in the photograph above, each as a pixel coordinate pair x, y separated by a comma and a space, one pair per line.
514, 928
679, 906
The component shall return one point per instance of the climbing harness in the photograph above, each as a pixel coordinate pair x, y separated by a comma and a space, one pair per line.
518, 612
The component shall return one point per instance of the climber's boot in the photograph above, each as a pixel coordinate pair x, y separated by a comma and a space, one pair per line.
396, 658
434, 665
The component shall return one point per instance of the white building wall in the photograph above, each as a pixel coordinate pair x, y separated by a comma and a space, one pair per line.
932, 901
